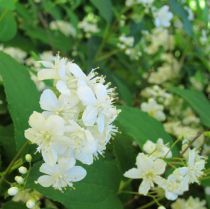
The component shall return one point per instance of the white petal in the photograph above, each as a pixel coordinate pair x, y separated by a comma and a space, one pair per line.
85, 158
86, 95
159, 166
76, 71
101, 122
45, 181
144, 187
76, 173
46, 74
62, 88
55, 125
49, 156
171, 196
133, 173
89, 116
100, 91
46, 168
48, 100
37, 120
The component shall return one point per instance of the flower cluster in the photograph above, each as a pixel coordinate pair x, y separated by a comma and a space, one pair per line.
152, 165
190, 203
76, 122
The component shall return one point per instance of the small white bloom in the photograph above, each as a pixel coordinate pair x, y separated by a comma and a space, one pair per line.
60, 176
195, 166
154, 109
65, 27
12, 191
30, 203
176, 184
28, 158
158, 149
149, 170
22, 170
163, 17
190, 203
47, 133
19, 179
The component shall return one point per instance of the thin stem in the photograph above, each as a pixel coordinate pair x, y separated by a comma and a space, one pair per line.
191, 142
7, 171
150, 203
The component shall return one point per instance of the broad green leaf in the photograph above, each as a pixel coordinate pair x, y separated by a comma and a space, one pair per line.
178, 10
8, 27
124, 151
7, 143
13, 205
97, 190
123, 90
22, 95
140, 126
197, 101
104, 7
7, 4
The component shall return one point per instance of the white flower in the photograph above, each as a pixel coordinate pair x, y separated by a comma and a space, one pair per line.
149, 170
163, 17
176, 184
65, 27
195, 166
47, 133
154, 109
16, 53
60, 176
190, 203
98, 106
81, 143
12, 191
63, 106
76, 121
145, 2
157, 150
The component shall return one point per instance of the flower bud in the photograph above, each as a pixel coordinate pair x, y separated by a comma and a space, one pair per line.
30, 203
28, 158
19, 179
161, 207
22, 170
12, 191
149, 147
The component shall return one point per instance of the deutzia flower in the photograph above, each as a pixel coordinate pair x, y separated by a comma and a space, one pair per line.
195, 166
176, 184
60, 175
154, 109
46, 132
157, 150
190, 203
75, 123
65, 27
149, 170
163, 17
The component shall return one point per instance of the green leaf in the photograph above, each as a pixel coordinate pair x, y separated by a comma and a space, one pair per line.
7, 4
197, 101
22, 95
123, 90
104, 7
12, 205
7, 143
124, 151
8, 27
140, 126
97, 190
178, 9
